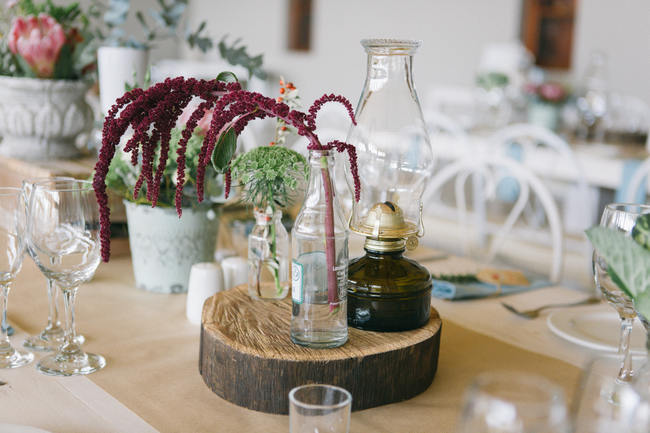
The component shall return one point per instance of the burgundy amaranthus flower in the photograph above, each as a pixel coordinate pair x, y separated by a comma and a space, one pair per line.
152, 113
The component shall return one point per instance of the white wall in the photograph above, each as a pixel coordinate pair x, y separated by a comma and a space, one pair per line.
620, 29
453, 34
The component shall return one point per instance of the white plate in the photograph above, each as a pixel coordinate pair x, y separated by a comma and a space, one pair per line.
595, 327
14, 428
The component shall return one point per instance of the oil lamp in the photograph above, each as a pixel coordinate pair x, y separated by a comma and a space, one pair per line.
386, 291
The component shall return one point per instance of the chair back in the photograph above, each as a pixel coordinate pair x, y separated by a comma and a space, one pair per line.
486, 173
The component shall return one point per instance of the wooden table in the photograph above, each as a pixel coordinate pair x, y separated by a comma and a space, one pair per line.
151, 382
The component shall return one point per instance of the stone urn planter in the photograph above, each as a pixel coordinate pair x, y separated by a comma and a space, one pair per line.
40, 119
164, 247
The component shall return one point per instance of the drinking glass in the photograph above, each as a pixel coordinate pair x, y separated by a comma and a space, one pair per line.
64, 239
513, 402
319, 409
621, 217
51, 337
13, 221
608, 405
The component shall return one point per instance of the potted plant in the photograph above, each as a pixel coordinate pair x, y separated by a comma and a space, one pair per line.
163, 246
46, 59
124, 58
545, 103
152, 114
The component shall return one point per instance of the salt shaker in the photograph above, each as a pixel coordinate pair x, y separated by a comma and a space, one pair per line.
235, 272
206, 279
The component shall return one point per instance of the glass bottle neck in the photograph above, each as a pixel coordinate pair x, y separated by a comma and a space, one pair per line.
319, 160
265, 217
383, 69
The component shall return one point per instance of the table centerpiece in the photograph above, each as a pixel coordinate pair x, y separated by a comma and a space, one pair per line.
152, 114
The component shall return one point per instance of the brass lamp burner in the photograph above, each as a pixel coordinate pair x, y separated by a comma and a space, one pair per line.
386, 230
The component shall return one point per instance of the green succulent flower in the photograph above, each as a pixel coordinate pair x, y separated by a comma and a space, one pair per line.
270, 175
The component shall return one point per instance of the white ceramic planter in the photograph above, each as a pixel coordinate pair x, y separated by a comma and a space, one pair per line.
543, 114
164, 247
117, 66
40, 119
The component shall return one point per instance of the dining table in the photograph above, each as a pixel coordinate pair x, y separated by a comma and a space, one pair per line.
151, 382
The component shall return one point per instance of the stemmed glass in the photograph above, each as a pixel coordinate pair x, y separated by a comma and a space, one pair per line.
608, 405
621, 217
64, 239
513, 402
13, 220
51, 337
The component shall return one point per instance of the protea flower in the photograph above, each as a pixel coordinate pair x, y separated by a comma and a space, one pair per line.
202, 125
38, 40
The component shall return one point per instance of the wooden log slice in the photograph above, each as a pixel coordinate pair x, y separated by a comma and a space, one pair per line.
247, 357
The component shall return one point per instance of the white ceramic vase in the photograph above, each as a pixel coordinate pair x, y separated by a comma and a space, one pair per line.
40, 119
118, 66
164, 247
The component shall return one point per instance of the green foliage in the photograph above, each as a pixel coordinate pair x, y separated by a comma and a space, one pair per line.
236, 55
457, 278
641, 231
164, 23
491, 80
122, 176
628, 264
270, 175
65, 15
198, 39
224, 150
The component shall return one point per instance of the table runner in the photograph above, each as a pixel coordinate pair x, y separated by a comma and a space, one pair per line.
152, 352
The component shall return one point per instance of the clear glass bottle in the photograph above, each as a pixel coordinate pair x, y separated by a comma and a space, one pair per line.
320, 260
268, 256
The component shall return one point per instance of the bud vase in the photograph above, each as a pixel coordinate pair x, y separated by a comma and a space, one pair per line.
320, 261
268, 257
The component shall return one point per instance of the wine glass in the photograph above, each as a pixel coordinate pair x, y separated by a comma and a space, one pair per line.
13, 220
64, 239
607, 404
513, 402
51, 337
621, 217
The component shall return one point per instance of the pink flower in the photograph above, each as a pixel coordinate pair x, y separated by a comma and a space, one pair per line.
551, 92
204, 123
38, 40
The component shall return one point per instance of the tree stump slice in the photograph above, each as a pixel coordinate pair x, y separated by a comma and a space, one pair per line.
248, 358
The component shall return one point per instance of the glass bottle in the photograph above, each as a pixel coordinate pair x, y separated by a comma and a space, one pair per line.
268, 256
320, 259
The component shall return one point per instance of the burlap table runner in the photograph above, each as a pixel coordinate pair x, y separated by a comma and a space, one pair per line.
152, 352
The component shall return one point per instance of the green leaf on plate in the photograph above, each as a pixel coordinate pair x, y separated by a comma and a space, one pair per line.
224, 150
629, 263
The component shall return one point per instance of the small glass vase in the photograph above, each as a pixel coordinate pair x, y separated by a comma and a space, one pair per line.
268, 257
320, 261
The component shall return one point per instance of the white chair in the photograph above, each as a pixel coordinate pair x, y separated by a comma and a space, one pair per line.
640, 175
579, 200
440, 123
491, 169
